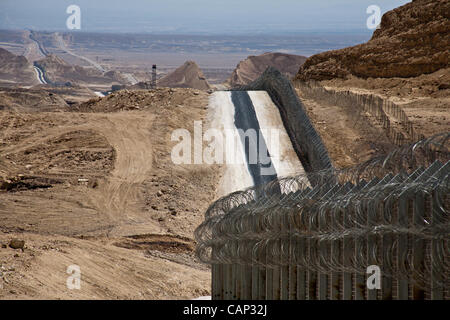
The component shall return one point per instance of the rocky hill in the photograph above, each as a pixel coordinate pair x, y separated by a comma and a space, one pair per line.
15, 70
251, 68
126, 100
189, 75
412, 40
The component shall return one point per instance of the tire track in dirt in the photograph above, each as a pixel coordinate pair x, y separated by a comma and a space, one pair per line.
120, 197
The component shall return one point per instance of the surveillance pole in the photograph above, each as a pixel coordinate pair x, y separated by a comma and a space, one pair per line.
154, 77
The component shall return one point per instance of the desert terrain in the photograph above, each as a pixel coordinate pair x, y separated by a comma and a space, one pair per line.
100, 176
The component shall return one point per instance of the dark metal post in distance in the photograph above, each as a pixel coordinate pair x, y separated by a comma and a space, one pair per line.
154, 76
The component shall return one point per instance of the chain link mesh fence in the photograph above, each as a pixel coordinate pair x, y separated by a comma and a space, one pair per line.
291, 239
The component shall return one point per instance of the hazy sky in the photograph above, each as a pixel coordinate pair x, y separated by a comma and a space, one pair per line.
194, 16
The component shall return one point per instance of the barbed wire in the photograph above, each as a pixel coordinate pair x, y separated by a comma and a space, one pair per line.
387, 211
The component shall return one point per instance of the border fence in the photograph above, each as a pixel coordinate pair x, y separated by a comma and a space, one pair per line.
390, 116
290, 239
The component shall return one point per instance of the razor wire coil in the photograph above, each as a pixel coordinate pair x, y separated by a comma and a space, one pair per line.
384, 212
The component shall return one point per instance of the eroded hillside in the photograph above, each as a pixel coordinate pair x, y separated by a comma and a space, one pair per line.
412, 40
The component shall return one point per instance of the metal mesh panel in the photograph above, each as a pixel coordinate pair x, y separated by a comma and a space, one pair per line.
391, 211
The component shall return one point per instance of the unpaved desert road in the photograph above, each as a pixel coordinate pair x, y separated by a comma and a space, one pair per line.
117, 198
63, 47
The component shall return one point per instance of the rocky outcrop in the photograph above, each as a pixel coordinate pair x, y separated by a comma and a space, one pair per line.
251, 68
15, 70
412, 40
188, 75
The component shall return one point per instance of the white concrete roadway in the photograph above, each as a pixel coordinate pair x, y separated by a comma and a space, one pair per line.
222, 113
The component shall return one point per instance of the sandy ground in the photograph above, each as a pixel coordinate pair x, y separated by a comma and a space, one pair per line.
98, 189
109, 269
